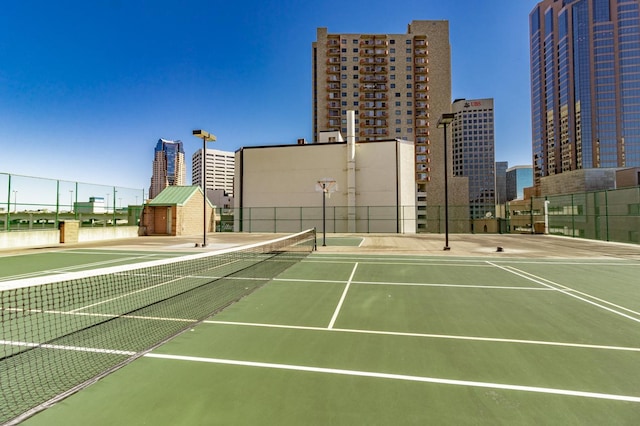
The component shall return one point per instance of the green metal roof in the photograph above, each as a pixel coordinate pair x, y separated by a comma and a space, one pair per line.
175, 196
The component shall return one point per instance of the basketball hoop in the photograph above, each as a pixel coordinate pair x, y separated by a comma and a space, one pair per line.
327, 185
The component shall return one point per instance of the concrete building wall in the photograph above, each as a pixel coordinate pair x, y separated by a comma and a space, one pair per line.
577, 181
270, 179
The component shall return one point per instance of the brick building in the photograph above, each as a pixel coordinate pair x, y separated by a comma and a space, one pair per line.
177, 210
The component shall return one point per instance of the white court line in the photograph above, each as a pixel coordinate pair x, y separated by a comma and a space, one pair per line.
430, 336
327, 258
491, 287
467, 383
72, 268
568, 291
344, 294
67, 348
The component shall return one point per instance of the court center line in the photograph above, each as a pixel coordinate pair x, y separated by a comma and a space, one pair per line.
566, 290
344, 295
436, 380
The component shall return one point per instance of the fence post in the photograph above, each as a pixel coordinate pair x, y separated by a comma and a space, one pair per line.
57, 204
573, 216
606, 211
6, 225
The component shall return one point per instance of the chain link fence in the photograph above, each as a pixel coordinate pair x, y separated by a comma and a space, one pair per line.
32, 203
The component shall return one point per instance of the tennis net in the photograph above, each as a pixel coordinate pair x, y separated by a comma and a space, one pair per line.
59, 334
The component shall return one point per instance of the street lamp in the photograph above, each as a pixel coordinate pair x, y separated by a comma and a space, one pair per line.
446, 119
206, 137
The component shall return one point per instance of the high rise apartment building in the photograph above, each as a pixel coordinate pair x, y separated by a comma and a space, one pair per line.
399, 85
473, 153
168, 166
219, 173
585, 85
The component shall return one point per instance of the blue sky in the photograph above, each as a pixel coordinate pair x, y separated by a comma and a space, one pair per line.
88, 87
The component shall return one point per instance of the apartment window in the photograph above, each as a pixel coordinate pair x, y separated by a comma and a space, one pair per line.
398, 103
392, 68
355, 50
392, 41
392, 85
408, 49
398, 121
408, 85
343, 41
392, 77
408, 67
409, 94
355, 41
344, 94
408, 76
408, 41
355, 59
344, 50
356, 76
397, 94
344, 103
392, 50
343, 59
393, 59
355, 68
398, 130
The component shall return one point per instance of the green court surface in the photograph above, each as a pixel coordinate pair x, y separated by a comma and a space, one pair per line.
388, 340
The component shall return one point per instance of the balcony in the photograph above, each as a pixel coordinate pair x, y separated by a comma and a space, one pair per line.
333, 42
373, 61
422, 70
333, 52
372, 122
420, 52
373, 79
333, 60
374, 96
368, 87
373, 70
333, 96
374, 114
333, 86
333, 78
374, 132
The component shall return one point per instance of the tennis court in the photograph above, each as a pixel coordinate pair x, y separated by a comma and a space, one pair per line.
350, 336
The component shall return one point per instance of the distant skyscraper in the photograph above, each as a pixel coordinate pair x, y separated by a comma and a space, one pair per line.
473, 152
518, 178
399, 85
585, 85
220, 170
168, 166
501, 181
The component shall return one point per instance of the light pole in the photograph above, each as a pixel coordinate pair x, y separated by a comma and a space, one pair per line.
446, 119
71, 201
15, 201
206, 137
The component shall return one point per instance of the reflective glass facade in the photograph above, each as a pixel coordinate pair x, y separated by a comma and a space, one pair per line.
168, 166
585, 85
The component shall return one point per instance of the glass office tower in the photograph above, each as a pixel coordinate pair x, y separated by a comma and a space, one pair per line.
168, 166
585, 85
